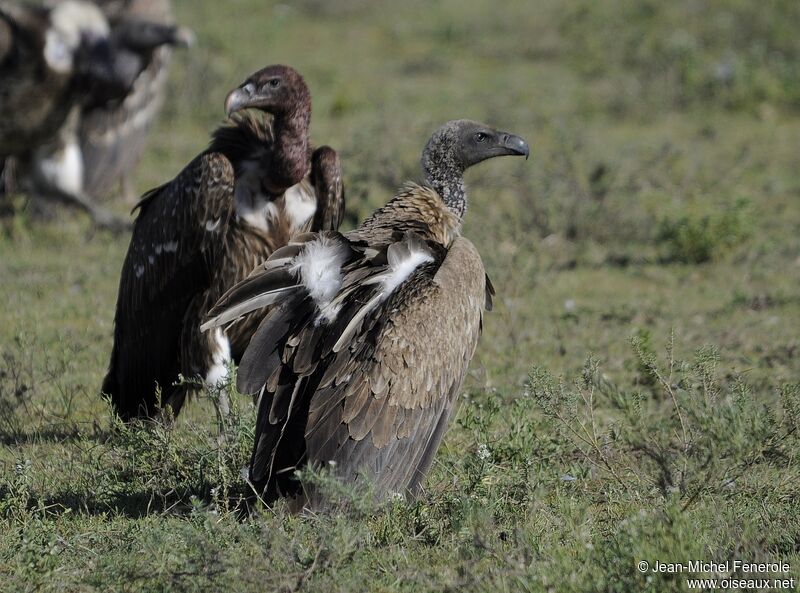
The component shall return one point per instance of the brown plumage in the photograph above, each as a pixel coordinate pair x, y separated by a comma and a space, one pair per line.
370, 334
256, 185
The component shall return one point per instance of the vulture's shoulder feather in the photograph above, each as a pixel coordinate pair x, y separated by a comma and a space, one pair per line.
326, 176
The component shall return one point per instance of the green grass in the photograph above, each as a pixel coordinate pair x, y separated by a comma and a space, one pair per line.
636, 392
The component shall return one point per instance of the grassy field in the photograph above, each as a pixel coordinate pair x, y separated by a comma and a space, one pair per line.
636, 392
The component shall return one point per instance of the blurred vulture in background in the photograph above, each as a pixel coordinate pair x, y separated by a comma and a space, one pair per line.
361, 357
258, 184
69, 71
51, 61
113, 133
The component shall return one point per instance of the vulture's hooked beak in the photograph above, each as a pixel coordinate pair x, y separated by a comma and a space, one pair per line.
240, 98
514, 145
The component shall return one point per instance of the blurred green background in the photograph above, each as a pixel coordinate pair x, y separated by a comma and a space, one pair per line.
656, 229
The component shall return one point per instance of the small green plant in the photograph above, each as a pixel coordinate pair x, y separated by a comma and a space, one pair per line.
698, 437
699, 239
17, 380
15, 491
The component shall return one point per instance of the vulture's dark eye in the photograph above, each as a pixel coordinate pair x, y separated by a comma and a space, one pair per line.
481, 137
274, 82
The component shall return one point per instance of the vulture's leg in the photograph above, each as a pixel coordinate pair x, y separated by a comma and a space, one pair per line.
6, 207
220, 397
101, 217
223, 414
206, 356
129, 195
2, 177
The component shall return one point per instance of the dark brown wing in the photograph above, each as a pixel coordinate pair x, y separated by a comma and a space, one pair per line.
176, 244
326, 175
372, 389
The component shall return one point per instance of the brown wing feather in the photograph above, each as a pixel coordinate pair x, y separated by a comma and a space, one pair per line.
171, 260
381, 405
423, 354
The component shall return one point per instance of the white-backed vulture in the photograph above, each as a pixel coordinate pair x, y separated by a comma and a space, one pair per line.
360, 360
257, 184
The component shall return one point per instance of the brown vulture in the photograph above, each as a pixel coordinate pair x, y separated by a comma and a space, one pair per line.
113, 133
257, 184
359, 361
63, 66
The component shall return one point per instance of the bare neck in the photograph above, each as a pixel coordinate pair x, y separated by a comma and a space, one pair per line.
444, 175
287, 161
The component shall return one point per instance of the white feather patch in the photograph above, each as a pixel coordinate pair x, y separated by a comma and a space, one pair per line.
221, 357
300, 203
169, 247
62, 168
73, 17
400, 268
403, 259
319, 269
69, 20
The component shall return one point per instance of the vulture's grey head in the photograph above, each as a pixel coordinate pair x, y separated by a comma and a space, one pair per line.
279, 90
459, 144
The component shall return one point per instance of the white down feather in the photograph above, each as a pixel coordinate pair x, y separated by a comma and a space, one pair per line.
319, 269
400, 268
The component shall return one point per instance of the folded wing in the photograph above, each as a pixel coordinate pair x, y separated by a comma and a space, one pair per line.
361, 359
171, 261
